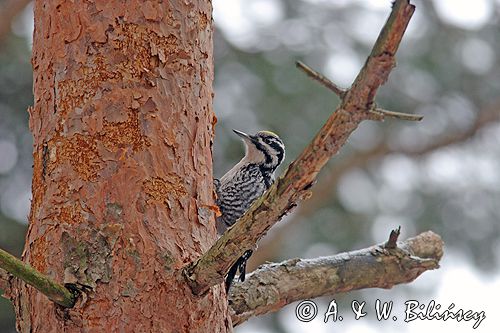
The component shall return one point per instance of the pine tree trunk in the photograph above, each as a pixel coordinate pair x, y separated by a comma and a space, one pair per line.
122, 181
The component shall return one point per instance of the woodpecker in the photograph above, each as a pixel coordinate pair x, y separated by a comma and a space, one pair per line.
244, 183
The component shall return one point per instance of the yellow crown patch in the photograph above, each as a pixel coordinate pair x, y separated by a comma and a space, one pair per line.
268, 133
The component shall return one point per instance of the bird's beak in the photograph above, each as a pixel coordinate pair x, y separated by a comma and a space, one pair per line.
243, 135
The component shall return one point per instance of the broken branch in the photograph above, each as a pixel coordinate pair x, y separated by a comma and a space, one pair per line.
273, 286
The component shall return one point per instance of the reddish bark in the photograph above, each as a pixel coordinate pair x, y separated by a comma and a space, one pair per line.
122, 184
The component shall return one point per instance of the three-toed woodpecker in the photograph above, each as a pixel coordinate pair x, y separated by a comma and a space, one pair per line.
244, 183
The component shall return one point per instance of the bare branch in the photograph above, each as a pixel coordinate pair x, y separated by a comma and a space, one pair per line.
273, 286
54, 291
376, 113
381, 114
322, 194
321, 79
289, 189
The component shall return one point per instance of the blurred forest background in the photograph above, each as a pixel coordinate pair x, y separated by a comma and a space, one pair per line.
441, 174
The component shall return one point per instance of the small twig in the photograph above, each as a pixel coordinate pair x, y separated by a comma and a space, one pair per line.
487, 115
375, 114
321, 79
386, 113
393, 239
54, 291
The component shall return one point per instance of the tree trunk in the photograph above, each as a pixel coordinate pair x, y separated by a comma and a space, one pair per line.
122, 181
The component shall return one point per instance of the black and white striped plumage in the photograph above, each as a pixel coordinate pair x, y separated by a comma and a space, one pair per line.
245, 182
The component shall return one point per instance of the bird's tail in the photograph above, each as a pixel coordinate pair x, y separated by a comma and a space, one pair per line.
240, 265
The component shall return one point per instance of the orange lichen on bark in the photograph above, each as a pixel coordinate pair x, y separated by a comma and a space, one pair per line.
80, 151
136, 53
125, 38
203, 19
161, 189
39, 254
70, 214
39, 170
126, 133
147, 47
91, 78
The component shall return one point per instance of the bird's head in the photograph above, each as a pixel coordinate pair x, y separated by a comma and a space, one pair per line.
263, 148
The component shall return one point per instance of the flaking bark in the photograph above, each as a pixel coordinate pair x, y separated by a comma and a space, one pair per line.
122, 183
